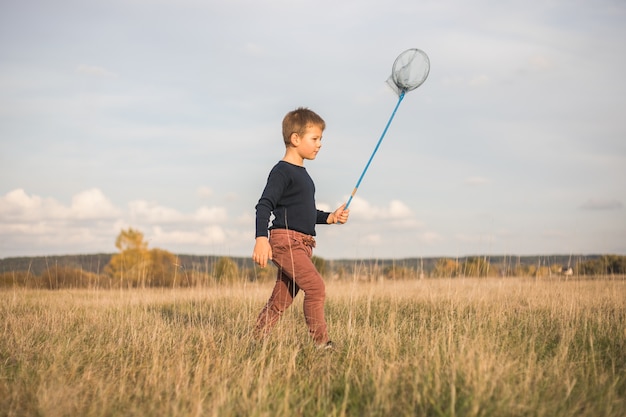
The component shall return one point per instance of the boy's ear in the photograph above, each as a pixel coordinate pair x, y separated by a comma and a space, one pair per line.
294, 139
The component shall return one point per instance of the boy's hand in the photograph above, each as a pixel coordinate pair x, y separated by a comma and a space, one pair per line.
262, 251
339, 216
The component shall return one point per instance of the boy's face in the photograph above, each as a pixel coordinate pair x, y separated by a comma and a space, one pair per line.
308, 144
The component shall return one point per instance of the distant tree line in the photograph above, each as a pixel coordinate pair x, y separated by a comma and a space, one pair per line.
481, 267
133, 266
137, 266
604, 265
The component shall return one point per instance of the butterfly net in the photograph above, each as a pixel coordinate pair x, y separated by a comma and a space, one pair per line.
409, 71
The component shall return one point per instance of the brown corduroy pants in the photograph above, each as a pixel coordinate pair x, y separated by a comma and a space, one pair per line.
291, 253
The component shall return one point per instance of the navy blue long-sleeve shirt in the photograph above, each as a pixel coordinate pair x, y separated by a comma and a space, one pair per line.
290, 196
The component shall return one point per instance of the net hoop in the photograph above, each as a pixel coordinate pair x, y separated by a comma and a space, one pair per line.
409, 71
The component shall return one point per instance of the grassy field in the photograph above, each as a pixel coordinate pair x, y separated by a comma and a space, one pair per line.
447, 347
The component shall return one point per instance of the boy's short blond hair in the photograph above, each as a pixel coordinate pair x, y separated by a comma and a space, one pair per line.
297, 121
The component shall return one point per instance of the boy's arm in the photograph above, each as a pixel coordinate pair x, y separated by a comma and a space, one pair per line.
276, 182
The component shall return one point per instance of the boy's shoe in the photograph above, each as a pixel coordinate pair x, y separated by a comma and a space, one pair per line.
327, 346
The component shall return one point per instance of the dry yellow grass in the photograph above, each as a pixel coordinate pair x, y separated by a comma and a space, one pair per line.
449, 347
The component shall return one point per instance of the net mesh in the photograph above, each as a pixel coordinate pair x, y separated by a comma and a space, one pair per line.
409, 71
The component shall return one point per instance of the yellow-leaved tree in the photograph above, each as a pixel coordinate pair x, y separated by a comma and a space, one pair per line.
137, 266
446, 268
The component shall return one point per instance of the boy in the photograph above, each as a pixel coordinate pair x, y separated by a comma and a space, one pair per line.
289, 195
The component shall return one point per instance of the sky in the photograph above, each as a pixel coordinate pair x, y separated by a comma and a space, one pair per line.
165, 116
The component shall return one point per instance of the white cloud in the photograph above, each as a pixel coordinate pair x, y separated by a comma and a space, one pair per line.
396, 210
246, 219
27, 229
207, 236
16, 205
92, 204
151, 212
89, 204
30, 223
324, 206
211, 215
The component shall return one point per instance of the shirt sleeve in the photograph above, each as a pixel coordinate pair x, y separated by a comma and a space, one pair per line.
322, 217
276, 183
